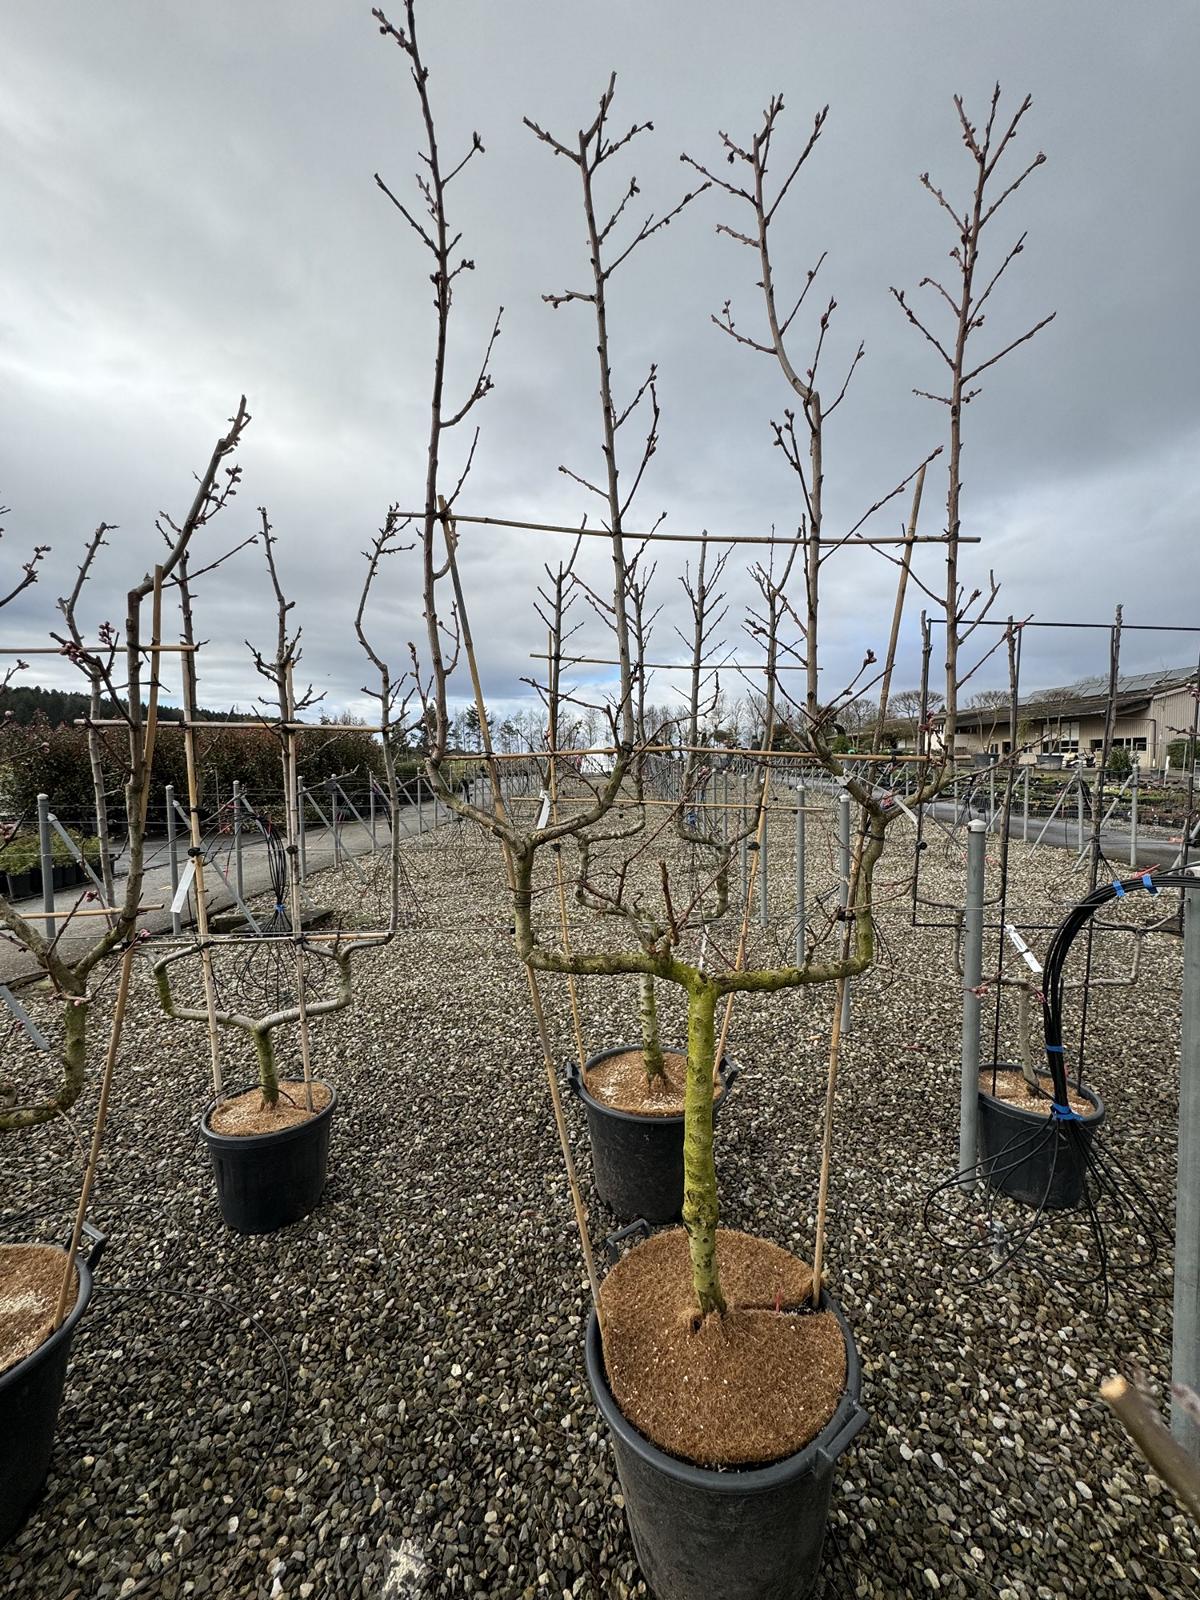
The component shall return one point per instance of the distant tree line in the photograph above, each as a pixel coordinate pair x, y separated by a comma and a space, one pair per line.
58, 707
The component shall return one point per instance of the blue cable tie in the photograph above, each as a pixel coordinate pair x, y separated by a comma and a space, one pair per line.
1064, 1113
1119, 889
1148, 883
278, 907
1057, 1048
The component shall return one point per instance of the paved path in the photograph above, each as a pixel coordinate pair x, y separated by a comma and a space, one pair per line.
354, 841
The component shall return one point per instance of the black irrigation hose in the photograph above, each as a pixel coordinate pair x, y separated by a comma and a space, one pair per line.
1105, 1177
1059, 948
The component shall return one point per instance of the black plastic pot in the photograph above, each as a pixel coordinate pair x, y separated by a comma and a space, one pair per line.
1032, 1156
267, 1181
30, 1395
20, 885
740, 1534
638, 1161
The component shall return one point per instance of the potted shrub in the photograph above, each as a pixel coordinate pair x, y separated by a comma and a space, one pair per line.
44, 1291
269, 1144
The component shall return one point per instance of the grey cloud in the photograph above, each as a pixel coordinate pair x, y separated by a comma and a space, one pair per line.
191, 213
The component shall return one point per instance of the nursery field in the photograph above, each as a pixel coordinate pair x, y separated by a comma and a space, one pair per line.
389, 1400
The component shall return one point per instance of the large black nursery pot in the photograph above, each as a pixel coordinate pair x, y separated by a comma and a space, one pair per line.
751, 1533
1031, 1155
638, 1161
267, 1181
30, 1395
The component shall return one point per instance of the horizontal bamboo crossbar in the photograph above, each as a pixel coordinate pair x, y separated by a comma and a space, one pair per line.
669, 666
61, 915
690, 538
66, 650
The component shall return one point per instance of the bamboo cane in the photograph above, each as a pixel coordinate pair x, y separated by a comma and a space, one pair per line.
535, 995
562, 890
751, 877
118, 1017
196, 853
290, 777
835, 1040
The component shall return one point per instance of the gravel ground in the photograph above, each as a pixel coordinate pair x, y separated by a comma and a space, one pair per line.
389, 1399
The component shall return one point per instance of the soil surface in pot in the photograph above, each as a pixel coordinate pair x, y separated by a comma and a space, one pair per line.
30, 1278
620, 1081
246, 1113
1013, 1090
744, 1389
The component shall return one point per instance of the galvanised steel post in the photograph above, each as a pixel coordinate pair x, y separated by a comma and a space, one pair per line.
801, 797
1185, 1336
764, 914
302, 839
173, 857
968, 1111
844, 886
1025, 811
237, 840
47, 854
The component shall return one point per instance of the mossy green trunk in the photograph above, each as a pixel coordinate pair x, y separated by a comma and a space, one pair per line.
268, 1077
652, 1056
699, 1172
74, 1064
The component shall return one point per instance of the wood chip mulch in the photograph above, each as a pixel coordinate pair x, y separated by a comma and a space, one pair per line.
620, 1081
246, 1114
744, 1389
30, 1278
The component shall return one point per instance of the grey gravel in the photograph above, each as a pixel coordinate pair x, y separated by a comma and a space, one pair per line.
439, 1439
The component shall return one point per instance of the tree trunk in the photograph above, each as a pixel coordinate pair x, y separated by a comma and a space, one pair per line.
74, 1062
652, 1056
699, 1173
268, 1077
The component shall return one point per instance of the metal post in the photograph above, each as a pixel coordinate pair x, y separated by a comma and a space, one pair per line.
331, 791
764, 913
371, 797
745, 842
420, 807
47, 855
1025, 811
991, 796
968, 1110
801, 796
238, 877
844, 886
300, 834
1185, 1338
1079, 778
173, 857
1133, 816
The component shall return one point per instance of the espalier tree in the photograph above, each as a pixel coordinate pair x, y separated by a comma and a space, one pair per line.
288, 976
671, 944
114, 666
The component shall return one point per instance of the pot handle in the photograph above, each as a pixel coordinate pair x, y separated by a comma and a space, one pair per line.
574, 1077
96, 1241
850, 1429
730, 1072
613, 1241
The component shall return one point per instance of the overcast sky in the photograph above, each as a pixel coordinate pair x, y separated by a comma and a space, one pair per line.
190, 214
